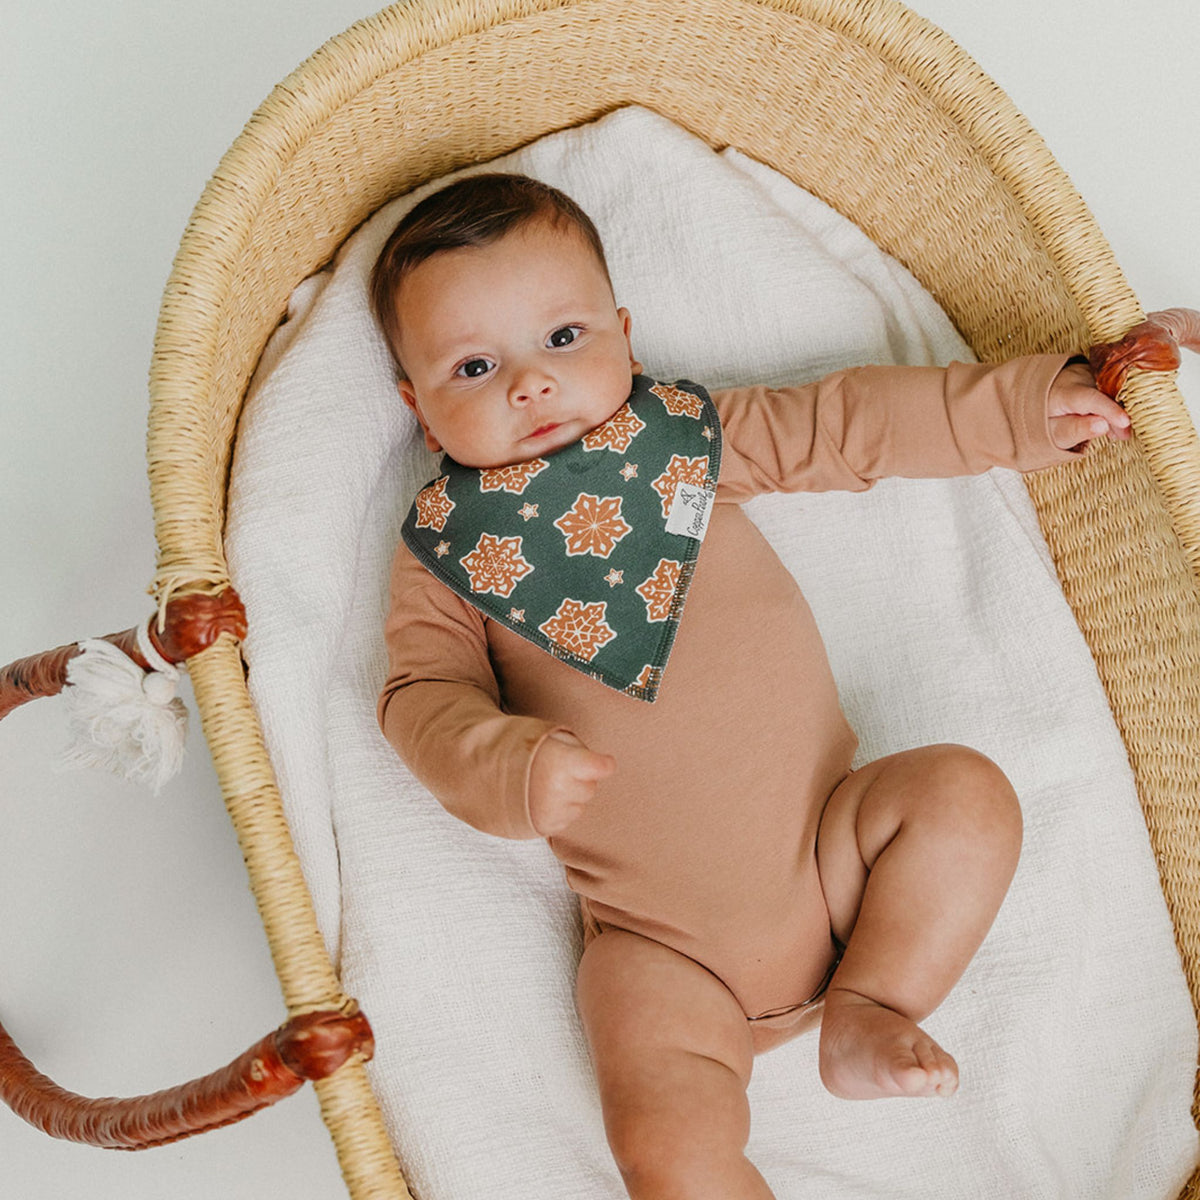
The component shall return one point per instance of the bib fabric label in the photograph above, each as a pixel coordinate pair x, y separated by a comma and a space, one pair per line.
589, 551
690, 511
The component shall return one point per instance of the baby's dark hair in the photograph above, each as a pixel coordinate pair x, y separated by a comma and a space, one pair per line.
474, 211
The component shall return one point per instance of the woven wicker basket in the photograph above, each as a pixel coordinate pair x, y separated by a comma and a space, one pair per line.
859, 101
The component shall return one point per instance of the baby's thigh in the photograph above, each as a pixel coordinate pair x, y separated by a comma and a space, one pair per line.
948, 787
671, 1050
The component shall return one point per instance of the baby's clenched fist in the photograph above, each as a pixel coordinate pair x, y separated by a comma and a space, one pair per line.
562, 780
1078, 412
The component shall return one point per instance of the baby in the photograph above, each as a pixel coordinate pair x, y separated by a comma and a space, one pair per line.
690, 766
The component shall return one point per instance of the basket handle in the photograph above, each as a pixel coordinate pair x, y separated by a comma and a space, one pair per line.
308, 1047
1152, 346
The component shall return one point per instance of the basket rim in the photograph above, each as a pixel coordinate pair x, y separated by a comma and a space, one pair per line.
350, 61
215, 236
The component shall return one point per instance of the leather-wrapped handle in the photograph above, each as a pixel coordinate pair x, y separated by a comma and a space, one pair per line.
192, 623
307, 1047
1151, 346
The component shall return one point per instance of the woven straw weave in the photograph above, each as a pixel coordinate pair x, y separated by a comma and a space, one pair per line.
860, 102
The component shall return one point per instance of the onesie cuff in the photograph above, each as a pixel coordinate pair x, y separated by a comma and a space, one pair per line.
529, 772
1039, 449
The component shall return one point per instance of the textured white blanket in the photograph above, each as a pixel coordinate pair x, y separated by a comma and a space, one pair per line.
944, 622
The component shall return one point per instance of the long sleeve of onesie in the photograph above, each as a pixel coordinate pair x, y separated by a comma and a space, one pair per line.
442, 707
853, 427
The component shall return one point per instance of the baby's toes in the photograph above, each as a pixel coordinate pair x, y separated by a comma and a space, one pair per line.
940, 1069
909, 1076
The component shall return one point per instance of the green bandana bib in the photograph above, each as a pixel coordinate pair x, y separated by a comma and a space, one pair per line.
589, 551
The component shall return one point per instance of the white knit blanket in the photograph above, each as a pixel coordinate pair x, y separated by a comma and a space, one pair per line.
944, 623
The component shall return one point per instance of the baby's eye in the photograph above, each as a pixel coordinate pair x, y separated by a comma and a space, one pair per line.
473, 368
564, 336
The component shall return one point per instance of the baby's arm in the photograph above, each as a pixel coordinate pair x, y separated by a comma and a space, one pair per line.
854, 427
440, 709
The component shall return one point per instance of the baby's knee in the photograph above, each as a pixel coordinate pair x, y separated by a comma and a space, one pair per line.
678, 1126
972, 796
678, 1135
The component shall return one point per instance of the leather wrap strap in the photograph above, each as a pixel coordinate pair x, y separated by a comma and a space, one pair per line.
1151, 346
311, 1046
193, 622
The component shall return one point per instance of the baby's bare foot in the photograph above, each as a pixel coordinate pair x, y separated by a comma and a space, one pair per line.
868, 1051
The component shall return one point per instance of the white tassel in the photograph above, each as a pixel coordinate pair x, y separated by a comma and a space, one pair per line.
123, 718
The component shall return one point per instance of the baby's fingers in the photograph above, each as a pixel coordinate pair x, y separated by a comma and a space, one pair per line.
1068, 432
576, 789
590, 767
1108, 411
1074, 394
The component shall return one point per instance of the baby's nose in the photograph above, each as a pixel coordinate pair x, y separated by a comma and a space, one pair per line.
530, 387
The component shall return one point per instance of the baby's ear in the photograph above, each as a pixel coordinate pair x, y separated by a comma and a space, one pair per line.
626, 327
409, 396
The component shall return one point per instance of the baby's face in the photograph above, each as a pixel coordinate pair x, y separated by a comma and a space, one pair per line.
515, 349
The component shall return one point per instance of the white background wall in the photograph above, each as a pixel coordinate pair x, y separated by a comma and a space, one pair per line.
133, 957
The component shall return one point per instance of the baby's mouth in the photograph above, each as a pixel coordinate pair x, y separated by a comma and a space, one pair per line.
537, 433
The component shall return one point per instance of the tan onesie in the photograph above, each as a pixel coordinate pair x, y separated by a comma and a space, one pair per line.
704, 836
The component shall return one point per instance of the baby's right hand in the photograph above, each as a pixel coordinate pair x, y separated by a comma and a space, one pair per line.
562, 781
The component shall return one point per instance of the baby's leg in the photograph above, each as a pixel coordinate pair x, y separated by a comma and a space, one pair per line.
916, 851
673, 1056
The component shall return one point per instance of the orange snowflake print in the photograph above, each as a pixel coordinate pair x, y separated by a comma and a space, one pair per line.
578, 628
680, 470
496, 564
434, 506
678, 402
659, 590
593, 526
513, 478
616, 433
